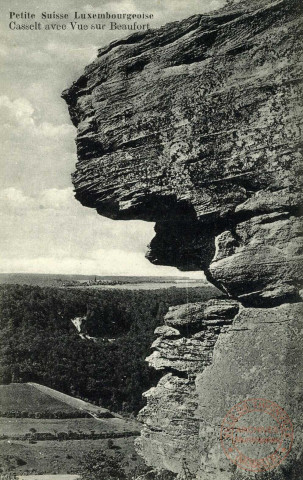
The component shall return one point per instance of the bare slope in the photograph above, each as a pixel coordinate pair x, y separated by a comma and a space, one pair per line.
72, 401
24, 397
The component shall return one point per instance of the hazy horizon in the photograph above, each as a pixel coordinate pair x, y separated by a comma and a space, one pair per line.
184, 275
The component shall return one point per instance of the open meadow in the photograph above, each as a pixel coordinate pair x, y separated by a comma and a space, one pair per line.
61, 445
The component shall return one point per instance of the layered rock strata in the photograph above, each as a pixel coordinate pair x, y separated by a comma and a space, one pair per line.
170, 438
197, 126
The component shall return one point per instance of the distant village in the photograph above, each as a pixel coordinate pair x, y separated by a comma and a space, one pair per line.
110, 282
91, 283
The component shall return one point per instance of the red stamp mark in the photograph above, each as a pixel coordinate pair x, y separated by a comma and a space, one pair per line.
256, 435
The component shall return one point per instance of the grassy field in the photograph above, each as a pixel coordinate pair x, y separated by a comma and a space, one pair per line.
59, 446
48, 477
24, 397
13, 427
64, 457
33, 476
34, 399
72, 402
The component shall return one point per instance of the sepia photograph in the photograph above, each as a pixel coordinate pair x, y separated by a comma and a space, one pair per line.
151, 240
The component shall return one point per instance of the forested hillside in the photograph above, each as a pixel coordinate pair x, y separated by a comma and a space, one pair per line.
39, 343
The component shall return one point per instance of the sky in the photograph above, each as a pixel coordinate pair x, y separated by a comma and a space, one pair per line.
43, 228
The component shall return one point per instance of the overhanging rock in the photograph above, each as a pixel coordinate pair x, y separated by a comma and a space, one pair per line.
197, 126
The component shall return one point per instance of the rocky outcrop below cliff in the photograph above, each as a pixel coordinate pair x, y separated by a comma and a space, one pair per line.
197, 126
183, 350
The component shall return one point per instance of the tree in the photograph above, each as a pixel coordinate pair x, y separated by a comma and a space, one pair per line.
98, 466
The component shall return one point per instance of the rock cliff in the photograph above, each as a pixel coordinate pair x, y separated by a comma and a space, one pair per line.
197, 126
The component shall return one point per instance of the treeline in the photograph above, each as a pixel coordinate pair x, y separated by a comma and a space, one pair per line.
60, 436
49, 414
39, 343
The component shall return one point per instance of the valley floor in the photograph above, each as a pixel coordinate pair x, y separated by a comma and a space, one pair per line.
64, 457
32, 446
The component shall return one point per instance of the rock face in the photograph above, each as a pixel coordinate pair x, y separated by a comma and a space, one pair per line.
259, 357
170, 437
197, 126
